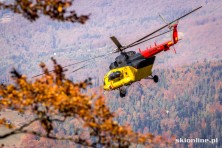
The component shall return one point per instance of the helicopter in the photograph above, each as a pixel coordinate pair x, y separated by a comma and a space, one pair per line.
130, 66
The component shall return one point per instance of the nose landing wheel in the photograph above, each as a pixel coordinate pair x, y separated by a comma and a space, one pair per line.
155, 78
122, 92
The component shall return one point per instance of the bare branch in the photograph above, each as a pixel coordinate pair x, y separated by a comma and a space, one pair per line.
18, 130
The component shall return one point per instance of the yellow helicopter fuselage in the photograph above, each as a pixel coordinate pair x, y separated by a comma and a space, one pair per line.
127, 75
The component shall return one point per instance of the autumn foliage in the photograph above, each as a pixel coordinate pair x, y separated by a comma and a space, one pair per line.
55, 9
54, 99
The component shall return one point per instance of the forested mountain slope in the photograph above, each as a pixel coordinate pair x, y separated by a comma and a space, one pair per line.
186, 102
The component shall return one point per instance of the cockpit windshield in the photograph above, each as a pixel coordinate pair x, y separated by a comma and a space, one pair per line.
114, 75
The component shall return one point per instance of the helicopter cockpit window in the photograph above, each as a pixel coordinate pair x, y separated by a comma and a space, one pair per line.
130, 53
121, 59
114, 75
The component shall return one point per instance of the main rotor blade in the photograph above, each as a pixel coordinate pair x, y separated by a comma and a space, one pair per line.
162, 27
40, 74
149, 39
116, 42
80, 68
100, 56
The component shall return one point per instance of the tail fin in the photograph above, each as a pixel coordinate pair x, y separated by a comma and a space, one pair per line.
170, 26
116, 42
175, 34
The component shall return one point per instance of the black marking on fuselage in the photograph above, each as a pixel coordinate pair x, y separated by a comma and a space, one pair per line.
133, 59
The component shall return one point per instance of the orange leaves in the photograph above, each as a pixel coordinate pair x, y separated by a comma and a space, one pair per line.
4, 102
60, 9
7, 124
10, 88
101, 110
142, 139
10, 126
2, 121
53, 98
67, 4
92, 125
55, 9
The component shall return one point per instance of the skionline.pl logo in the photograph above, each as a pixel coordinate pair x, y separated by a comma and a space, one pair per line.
196, 140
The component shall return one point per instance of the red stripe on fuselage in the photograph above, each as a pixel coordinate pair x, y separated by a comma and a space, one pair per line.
153, 51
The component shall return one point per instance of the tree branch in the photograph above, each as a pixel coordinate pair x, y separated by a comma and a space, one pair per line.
22, 131
18, 130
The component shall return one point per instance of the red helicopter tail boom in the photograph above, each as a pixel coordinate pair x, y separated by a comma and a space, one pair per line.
149, 52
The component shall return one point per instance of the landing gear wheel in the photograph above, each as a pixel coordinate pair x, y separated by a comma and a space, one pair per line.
122, 92
155, 78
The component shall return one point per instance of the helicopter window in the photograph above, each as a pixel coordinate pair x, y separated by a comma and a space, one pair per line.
114, 75
115, 64
120, 59
131, 53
